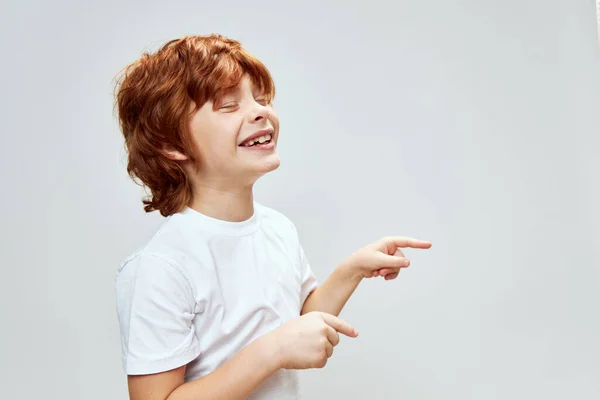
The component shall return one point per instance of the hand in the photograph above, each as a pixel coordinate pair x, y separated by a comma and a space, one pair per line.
383, 258
308, 341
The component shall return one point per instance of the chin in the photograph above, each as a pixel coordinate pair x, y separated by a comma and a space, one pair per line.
271, 165
267, 166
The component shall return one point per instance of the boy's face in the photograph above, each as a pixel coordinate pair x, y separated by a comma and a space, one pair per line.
236, 137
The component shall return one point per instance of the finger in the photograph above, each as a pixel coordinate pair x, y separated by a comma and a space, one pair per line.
399, 253
386, 271
401, 241
376, 273
387, 261
332, 336
391, 276
339, 325
329, 350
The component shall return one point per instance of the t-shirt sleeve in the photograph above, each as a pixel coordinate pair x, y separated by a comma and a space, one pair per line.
309, 279
155, 307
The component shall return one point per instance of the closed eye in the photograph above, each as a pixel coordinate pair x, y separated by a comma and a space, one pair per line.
228, 106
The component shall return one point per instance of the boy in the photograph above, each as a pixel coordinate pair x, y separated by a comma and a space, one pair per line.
221, 303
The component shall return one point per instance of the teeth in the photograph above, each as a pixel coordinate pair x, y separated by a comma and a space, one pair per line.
261, 139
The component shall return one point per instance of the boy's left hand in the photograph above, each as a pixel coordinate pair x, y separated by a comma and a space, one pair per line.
383, 258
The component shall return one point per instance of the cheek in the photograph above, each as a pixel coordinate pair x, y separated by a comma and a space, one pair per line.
217, 140
274, 118
220, 149
273, 115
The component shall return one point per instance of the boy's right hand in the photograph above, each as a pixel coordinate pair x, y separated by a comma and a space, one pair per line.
308, 341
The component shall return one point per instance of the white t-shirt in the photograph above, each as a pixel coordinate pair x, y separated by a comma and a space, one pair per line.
202, 289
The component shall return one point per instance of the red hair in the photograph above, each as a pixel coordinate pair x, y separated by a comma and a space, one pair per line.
156, 97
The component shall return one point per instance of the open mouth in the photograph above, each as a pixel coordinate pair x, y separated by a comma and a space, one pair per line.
260, 141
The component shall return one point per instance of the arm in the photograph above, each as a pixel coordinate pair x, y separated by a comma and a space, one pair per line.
333, 294
382, 258
302, 343
235, 379
158, 323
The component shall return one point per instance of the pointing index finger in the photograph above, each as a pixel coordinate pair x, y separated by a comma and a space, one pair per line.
339, 325
401, 241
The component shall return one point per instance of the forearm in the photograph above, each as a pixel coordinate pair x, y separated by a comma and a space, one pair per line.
333, 294
235, 379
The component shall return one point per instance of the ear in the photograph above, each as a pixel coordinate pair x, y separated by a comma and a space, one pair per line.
175, 155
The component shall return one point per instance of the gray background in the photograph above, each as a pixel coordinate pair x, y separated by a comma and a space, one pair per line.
473, 124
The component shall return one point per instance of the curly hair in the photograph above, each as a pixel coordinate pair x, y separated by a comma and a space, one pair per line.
156, 97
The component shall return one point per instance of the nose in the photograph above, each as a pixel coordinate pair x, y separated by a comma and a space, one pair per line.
259, 113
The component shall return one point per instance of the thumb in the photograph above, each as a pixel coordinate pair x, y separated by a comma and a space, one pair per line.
387, 261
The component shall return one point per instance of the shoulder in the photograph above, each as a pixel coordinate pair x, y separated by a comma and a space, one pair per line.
176, 241
162, 256
152, 267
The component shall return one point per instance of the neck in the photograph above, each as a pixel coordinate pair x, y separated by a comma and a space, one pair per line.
227, 205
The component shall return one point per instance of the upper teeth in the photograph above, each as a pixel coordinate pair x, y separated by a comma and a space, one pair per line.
260, 139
